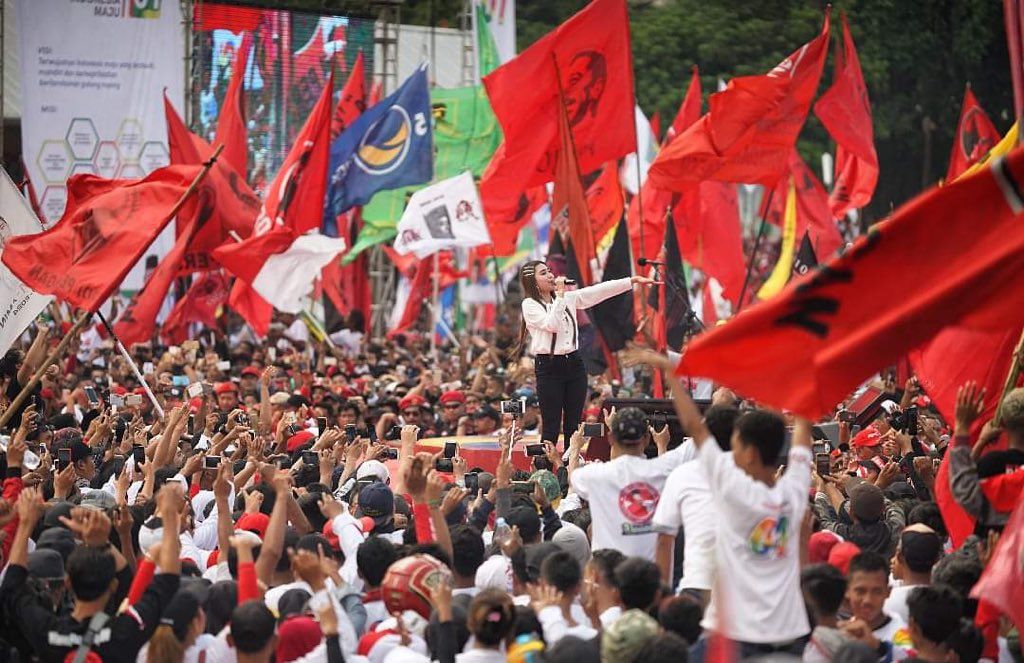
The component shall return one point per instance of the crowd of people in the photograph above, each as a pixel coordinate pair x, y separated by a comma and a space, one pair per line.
278, 502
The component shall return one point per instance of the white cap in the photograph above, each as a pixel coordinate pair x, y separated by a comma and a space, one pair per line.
373, 468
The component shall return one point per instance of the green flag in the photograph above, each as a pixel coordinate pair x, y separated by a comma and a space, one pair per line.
487, 52
466, 134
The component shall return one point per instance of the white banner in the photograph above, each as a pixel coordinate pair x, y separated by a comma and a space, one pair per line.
19, 304
92, 79
443, 215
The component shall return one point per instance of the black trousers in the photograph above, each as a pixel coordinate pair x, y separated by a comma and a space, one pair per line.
562, 392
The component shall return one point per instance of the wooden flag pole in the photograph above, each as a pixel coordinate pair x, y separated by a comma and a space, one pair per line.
85, 316
27, 389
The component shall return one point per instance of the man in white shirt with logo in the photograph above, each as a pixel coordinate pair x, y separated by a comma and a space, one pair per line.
756, 600
624, 492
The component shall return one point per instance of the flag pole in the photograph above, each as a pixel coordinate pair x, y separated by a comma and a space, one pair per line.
131, 362
38, 375
435, 315
754, 251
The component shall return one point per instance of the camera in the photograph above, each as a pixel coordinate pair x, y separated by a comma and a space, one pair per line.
444, 465
310, 459
535, 449
212, 462
472, 480
593, 430
392, 453
513, 407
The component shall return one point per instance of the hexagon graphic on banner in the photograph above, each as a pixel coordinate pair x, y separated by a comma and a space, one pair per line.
54, 161
83, 168
82, 138
107, 160
52, 204
154, 155
129, 139
131, 171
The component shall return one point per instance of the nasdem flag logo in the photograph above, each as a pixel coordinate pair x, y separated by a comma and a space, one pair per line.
384, 147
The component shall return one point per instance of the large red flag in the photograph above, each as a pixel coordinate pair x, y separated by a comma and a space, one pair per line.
231, 128
711, 241
975, 136
751, 126
422, 287
658, 202
207, 294
813, 215
84, 257
605, 202
569, 214
845, 111
809, 347
353, 98
1002, 583
226, 207
505, 226
591, 54
293, 205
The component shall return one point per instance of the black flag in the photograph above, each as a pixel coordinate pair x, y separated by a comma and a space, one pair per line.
805, 259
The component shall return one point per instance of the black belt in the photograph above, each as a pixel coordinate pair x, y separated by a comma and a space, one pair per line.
571, 355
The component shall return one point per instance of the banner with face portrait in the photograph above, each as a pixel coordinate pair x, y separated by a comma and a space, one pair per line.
19, 304
442, 216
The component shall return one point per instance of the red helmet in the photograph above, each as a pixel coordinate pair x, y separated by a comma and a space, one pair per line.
408, 583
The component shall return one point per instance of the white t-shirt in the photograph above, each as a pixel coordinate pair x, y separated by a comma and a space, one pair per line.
757, 549
686, 502
623, 495
896, 604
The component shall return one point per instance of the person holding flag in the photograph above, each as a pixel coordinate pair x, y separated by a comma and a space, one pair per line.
549, 316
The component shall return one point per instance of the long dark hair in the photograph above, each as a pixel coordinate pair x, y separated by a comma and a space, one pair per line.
528, 283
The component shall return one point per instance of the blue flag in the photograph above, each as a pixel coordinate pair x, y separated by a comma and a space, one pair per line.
389, 146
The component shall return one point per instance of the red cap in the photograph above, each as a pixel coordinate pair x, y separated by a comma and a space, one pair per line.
412, 400
140, 391
820, 545
46, 392
328, 532
869, 437
251, 370
194, 404
254, 522
841, 555
225, 387
119, 390
453, 397
297, 440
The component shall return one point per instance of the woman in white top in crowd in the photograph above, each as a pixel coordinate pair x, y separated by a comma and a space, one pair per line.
549, 316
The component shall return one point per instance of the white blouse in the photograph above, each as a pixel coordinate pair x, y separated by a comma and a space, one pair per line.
553, 327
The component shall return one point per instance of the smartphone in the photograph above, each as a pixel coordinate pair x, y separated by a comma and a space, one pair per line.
139, 455
191, 424
819, 448
444, 465
513, 407
116, 400
223, 365
330, 361
523, 487
133, 400
310, 459
450, 448
195, 390
593, 430
90, 393
321, 425
911, 415
371, 434
148, 368
284, 463
392, 453
847, 416
63, 458
822, 464
211, 462
534, 449
351, 432
472, 481
394, 433
179, 380
438, 376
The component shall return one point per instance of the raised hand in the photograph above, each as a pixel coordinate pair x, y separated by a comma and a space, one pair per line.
92, 526
970, 401
661, 438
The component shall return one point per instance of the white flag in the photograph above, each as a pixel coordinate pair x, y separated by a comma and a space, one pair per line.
442, 216
19, 304
286, 277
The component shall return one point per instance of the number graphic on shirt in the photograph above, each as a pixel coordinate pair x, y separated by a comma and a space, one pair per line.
769, 537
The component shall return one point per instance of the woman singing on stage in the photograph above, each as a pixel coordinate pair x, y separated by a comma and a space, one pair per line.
549, 315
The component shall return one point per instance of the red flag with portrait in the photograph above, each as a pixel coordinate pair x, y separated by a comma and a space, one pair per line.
587, 59
353, 99
208, 293
845, 111
605, 201
750, 128
975, 136
569, 213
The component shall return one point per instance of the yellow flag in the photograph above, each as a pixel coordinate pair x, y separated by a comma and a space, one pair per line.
784, 267
1001, 148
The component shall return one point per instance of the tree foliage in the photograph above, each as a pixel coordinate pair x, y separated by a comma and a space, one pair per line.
917, 56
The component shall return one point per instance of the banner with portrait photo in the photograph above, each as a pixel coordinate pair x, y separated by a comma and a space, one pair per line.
92, 80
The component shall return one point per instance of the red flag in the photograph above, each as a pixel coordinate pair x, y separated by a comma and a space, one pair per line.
231, 128
975, 136
404, 263
569, 213
422, 287
591, 54
505, 223
751, 126
226, 207
845, 111
85, 256
353, 99
708, 311
712, 241
657, 202
376, 92
807, 348
656, 125
1002, 582
813, 215
207, 294
605, 202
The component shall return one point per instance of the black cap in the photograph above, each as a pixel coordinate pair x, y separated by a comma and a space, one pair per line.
487, 412
46, 564
59, 539
629, 425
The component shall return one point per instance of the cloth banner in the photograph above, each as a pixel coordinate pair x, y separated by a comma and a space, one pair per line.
442, 216
92, 77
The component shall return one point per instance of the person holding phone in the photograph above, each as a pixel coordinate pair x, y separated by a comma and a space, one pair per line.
549, 317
